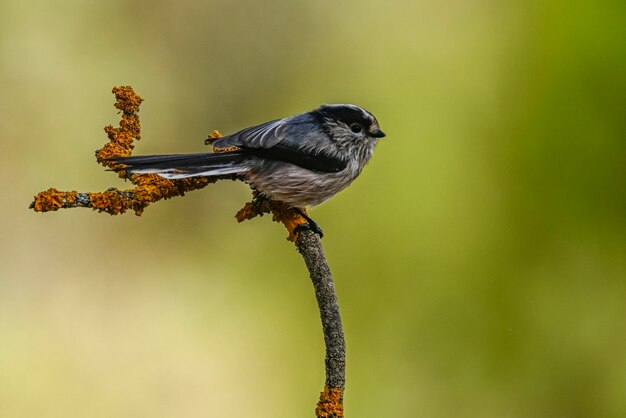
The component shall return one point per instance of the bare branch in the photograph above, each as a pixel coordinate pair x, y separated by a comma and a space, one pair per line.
331, 400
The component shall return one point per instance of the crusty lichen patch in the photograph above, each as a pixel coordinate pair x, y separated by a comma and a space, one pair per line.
52, 199
260, 205
121, 139
212, 137
330, 404
149, 188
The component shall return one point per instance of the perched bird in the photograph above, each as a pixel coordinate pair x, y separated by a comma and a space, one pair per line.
302, 160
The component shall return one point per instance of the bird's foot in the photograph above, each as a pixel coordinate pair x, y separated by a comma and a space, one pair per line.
311, 224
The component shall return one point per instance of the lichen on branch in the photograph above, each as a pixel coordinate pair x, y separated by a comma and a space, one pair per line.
330, 404
260, 205
149, 188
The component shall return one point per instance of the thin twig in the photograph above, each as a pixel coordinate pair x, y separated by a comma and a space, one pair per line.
331, 400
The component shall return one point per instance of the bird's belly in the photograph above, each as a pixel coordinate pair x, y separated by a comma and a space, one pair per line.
297, 186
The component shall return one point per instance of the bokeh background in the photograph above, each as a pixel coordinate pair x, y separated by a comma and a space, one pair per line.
480, 259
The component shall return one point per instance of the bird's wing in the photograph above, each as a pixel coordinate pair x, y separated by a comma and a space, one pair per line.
283, 140
265, 135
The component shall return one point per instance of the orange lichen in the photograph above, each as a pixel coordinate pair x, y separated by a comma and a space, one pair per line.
216, 135
259, 206
225, 149
212, 137
289, 217
52, 199
112, 202
330, 404
121, 139
149, 188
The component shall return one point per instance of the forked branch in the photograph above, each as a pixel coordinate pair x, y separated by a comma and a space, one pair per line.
150, 188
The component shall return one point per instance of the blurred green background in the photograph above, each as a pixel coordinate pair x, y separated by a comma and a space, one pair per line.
480, 259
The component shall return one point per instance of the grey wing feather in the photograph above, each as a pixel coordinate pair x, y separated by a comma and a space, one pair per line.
297, 140
265, 135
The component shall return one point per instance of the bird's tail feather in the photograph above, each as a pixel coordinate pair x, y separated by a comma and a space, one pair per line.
178, 166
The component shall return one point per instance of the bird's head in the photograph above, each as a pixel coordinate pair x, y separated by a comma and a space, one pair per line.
349, 124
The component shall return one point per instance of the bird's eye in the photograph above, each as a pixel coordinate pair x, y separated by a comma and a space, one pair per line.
356, 128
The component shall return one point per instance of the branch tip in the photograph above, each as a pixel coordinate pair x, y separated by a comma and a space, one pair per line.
52, 200
126, 99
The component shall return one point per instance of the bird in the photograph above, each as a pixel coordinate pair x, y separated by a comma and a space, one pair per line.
301, 161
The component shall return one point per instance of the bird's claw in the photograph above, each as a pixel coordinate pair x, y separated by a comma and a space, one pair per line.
310, 225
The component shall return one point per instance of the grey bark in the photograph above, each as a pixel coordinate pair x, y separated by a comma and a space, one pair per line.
310, 246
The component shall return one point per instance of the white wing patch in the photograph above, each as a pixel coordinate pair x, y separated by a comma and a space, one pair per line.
207, 173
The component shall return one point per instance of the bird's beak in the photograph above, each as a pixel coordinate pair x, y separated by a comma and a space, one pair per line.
378, 134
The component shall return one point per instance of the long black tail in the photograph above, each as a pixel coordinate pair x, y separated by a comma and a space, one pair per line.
178, 166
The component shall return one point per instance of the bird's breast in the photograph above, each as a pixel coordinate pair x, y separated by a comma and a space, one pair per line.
297, 186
